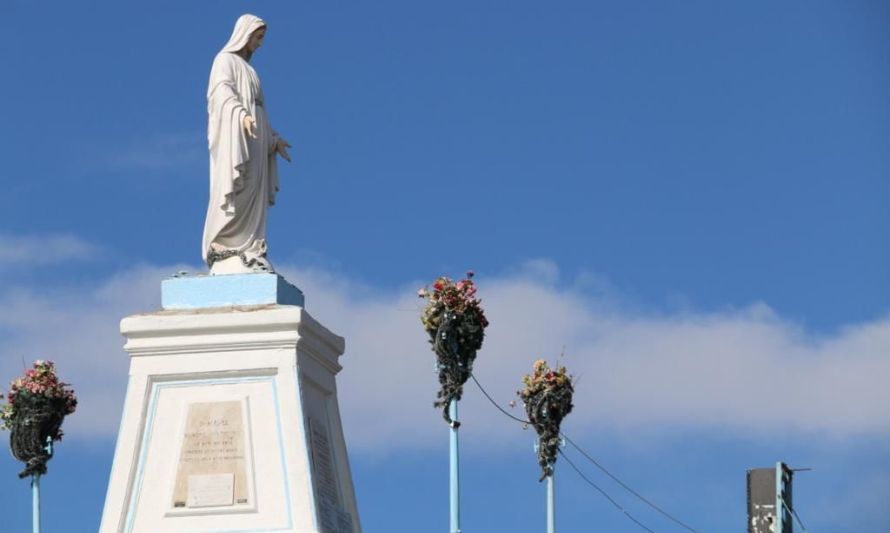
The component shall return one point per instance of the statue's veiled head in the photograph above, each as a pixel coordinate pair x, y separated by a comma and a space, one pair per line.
247, 36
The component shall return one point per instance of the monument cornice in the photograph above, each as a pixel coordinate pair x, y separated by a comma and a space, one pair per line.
234, 328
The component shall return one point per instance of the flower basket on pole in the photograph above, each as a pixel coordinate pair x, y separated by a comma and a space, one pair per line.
547, 396
36, 405
455, 322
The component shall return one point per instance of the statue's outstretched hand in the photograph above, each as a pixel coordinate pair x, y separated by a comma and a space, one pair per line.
281, 147
249, 125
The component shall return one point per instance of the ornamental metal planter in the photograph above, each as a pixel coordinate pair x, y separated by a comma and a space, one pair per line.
457, 338
37, 420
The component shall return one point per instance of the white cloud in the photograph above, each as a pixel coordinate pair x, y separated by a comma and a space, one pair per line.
745, 370
35, 250
79, 329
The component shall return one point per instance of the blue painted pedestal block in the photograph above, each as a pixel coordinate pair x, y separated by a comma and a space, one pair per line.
194, 292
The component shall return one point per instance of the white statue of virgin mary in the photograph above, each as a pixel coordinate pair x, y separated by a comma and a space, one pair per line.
243, 146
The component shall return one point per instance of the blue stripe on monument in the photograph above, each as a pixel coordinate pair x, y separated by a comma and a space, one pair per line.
194, 292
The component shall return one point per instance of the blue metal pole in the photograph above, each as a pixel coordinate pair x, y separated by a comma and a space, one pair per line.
35, 502
551, 504
454, 471
35, 491
780, 502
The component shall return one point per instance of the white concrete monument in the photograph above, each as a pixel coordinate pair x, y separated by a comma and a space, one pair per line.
231, 421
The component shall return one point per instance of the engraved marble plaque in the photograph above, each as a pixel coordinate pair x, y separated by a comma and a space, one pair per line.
325, 479
333, 518
212, 469
344, 521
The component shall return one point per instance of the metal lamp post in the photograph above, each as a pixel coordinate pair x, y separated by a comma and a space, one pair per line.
454, 469
551, 496
35, 491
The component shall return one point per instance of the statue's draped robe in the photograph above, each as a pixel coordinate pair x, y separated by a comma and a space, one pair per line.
243, 170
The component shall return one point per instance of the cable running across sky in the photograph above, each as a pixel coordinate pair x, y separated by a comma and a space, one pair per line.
604, 493
595, 463
625, 486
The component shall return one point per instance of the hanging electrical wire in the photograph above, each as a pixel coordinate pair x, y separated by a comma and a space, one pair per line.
586, 455
626, 487
601, 491
494, 403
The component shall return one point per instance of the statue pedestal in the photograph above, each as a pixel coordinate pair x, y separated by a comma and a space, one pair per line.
231, 421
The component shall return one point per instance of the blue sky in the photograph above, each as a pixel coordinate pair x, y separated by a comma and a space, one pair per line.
691, 197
